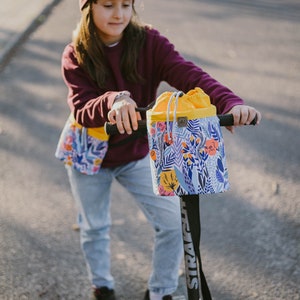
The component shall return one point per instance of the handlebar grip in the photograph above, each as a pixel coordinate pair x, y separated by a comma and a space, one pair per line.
225, 120
254, 121
111, 129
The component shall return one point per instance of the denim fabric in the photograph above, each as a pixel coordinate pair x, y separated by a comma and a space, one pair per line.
92, 196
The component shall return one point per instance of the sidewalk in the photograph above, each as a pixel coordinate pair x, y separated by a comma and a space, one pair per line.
18, 19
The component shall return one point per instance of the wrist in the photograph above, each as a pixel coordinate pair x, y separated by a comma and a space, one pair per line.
121, 95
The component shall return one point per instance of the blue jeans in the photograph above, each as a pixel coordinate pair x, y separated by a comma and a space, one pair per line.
92, 196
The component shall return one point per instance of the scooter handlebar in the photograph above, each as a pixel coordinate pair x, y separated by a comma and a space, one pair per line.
225, 120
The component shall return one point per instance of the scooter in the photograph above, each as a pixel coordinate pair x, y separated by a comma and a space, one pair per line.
197, 287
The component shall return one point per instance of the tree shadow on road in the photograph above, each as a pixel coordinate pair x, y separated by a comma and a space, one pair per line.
33, 110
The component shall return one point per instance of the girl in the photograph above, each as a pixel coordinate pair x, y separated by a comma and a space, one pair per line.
114, 65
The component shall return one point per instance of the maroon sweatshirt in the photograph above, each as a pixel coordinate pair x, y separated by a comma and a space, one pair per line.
158, 61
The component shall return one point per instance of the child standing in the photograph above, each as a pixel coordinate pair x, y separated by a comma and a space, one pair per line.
114, 65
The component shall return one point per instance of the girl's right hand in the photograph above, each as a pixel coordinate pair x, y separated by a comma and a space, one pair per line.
124, 115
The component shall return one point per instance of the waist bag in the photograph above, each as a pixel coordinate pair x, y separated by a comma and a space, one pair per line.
186, 145
82, 148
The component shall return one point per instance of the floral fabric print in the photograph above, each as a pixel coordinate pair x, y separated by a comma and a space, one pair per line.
83, 152
189, 161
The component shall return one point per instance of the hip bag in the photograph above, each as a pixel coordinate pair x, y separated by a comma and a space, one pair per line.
82, 148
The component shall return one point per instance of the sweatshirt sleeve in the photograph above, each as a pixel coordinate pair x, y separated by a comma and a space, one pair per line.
185, 75
86, 101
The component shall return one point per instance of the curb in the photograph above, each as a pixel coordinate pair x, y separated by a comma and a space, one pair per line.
11, 47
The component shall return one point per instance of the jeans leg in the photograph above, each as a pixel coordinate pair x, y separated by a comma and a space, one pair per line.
164, 215
92, 197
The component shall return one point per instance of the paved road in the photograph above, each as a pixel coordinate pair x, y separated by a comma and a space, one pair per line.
19, 18
250, 241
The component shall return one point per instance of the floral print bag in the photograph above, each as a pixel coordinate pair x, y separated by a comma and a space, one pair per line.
82, 148
186, 145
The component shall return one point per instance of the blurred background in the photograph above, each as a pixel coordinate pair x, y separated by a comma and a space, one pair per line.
250, 235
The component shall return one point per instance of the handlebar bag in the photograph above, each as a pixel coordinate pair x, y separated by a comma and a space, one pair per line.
82, 148
186, 145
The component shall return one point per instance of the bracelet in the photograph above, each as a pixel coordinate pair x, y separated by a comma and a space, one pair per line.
121, 94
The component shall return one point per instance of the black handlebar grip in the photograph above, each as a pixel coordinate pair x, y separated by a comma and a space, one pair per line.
254, 121
111, 129
225, 120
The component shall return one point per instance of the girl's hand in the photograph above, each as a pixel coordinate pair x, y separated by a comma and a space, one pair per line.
243, 115
123, 114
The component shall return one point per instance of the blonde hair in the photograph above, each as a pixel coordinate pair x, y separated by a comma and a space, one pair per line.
89, 48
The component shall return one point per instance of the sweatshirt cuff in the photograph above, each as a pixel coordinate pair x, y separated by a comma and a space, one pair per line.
121, 94
113, 96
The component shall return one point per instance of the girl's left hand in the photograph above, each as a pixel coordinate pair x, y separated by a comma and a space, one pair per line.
243, 115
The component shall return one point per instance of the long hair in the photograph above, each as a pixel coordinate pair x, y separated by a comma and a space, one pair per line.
89, 48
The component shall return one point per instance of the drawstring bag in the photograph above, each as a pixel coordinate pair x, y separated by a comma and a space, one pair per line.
186, 145
82, 148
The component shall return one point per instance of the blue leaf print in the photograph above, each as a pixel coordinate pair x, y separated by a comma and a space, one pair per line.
193, 125
219, 176
181, 179
220, 165
168, 158
203, 156
214, 133
202, 180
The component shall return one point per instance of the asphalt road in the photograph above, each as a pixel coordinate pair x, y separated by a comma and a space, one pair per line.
250, 238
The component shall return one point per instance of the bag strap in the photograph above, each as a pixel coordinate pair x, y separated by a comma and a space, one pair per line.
175, 95
190, 208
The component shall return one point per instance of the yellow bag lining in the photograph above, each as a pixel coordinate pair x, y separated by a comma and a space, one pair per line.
96, 132
190, 115
193, 105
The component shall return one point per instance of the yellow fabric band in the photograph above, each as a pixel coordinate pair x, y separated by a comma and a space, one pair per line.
96, 132
190, 115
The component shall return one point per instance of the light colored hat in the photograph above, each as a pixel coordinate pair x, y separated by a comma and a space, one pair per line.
82, 3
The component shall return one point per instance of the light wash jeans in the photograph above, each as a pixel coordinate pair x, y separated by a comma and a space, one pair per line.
92, 196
